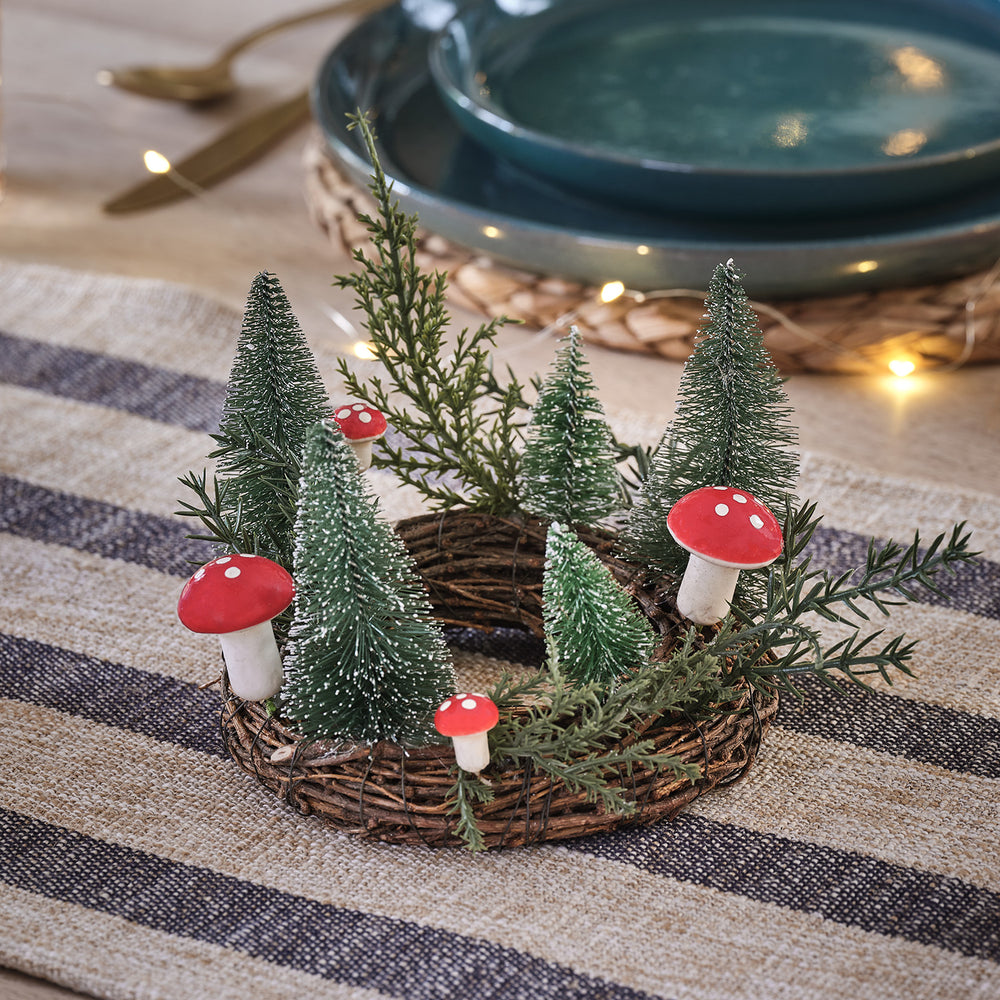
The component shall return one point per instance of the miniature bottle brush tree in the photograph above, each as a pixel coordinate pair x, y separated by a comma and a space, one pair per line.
363, 644
364, 656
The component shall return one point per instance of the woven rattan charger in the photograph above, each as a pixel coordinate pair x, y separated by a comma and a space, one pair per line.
485, 573
940, 325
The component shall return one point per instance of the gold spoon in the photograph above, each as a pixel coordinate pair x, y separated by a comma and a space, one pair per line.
215, 80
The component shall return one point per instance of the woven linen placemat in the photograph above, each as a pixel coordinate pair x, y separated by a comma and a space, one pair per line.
858, 859
932, 326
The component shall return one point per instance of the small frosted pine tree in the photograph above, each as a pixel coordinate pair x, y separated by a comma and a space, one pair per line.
274, 395
365, 658
731, 427
568, 471
592, 628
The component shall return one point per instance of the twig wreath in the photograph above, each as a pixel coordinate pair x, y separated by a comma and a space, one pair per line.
668, 591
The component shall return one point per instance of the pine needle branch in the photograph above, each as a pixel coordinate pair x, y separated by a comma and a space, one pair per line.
460, 426
225, 530
581, 736
770, 645
220, 514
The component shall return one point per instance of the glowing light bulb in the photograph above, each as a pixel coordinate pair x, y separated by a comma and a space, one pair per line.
156, 163
791, 130
611, 291
864, 266
364, 350
901, 368
492, 233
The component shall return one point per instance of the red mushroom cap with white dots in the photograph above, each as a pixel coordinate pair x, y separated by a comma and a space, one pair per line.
360, 422
466, 715
234, 592
726, 526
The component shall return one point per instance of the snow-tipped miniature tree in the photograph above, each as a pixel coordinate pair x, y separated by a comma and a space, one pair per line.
274, 395
366, 660
568, 471
592, 628
731, 427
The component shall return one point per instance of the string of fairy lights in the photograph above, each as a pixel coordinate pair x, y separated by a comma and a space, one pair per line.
613, 290
899, 366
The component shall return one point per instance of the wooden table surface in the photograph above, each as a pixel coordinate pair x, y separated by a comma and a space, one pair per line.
70, 144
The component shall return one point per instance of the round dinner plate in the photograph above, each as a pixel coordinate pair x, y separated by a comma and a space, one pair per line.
727, 108
465, 193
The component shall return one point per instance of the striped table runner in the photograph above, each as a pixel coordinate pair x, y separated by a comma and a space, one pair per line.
859, 859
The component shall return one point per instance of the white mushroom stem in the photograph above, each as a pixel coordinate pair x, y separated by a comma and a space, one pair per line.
253, 662
363, 449
472, 753
706, 591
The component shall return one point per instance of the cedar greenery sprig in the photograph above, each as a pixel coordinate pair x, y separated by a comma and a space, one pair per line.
586, 739
770, 645
220, 509
465, 793
460, 429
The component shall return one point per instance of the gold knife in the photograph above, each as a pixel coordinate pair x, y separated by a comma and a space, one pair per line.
238, 146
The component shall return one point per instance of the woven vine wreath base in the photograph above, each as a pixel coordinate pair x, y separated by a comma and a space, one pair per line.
935, 325
485, 573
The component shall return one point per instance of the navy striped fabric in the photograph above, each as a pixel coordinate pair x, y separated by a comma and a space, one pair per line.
100, 528
730, 859
326, 941
842, 886
945, 916
112, 694
155, 393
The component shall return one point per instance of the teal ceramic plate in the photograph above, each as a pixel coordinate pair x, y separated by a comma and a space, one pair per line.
465, 193
729, 107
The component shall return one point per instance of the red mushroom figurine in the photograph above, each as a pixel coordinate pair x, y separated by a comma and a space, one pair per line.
725, 530
467, 718
361, 424
235, 597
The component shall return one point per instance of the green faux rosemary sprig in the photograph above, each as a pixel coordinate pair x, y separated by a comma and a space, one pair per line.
771, 644
465, 793
584, 737
222, 528
222, 516
460, 430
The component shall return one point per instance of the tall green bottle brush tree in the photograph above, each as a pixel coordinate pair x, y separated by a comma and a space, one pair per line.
365, 660
731, 427
274, 394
